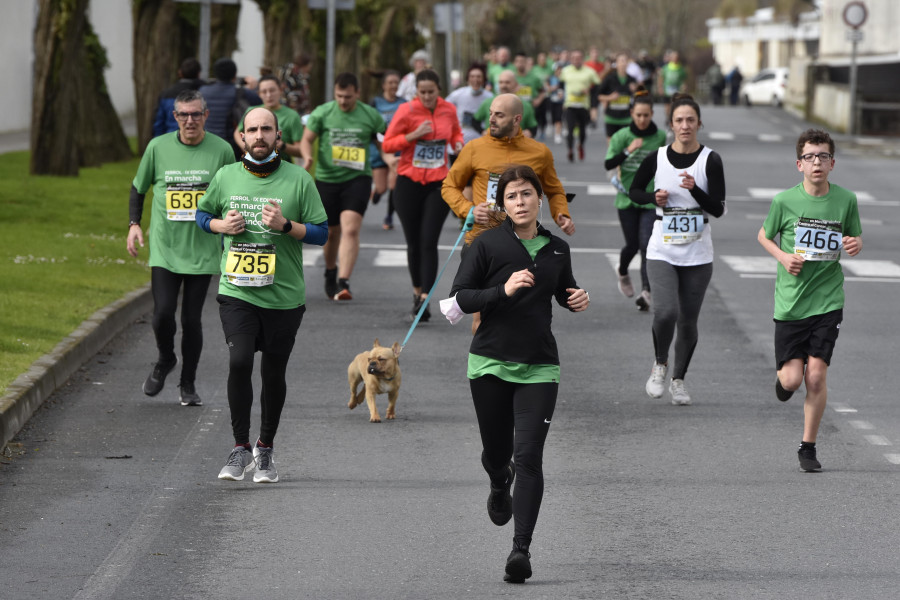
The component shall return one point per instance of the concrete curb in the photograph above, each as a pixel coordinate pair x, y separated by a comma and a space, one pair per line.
48, 373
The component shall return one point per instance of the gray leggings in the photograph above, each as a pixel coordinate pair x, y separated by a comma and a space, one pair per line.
677, 297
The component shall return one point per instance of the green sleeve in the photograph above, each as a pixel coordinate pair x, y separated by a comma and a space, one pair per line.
529, 121
772, 224
483, 112
210, 201
143, 179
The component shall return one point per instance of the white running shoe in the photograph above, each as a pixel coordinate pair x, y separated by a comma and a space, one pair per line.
625, 286
557, 139
680, 397
265, 465
656, 385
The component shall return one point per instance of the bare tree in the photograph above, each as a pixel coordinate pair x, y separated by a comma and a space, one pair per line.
73, 122
166, 32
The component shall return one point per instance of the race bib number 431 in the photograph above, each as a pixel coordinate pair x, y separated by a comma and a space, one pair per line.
181, 201
682, 225
251, 265
818, 239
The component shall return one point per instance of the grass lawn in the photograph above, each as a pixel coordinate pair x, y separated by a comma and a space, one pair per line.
62, 254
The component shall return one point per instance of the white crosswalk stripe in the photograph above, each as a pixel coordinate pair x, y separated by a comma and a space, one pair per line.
764, 267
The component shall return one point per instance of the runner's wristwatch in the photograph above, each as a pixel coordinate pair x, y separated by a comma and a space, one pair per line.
287, 226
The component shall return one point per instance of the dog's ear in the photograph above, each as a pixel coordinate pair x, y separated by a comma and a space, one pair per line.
396, 348
375, 345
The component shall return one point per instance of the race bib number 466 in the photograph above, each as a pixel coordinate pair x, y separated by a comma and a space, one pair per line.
181, 201
682, 225
251, 265
818, 239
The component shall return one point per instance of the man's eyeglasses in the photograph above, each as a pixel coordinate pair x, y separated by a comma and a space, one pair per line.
184, 116
822, 156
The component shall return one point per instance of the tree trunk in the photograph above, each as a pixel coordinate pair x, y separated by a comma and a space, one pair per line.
73, 122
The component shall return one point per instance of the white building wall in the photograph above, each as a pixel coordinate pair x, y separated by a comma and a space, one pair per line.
880, 31
16, 45
251, 40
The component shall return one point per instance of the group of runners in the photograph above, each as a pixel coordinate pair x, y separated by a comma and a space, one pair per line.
247, 221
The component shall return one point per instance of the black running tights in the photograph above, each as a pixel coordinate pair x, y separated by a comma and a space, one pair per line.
577, 117
637, 227
165, 286
273, 368
422, 213
514, 419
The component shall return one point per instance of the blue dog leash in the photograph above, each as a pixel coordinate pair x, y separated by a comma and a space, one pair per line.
467, 226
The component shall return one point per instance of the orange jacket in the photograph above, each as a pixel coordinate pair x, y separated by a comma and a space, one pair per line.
408, 117
479, 158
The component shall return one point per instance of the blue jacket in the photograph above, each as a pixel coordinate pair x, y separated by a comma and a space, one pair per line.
220, 99
165, 122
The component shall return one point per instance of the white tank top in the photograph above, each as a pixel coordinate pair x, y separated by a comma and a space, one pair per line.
700, 251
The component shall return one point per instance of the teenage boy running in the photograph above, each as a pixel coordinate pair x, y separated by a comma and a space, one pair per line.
814, 220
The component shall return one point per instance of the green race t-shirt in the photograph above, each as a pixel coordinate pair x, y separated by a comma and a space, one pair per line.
344, 139
511, 371
179, 175
530, 87
618, 142
483, 114
542, 73
262, 266
820, 222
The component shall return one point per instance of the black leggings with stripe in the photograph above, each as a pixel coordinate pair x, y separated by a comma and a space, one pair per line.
514, 419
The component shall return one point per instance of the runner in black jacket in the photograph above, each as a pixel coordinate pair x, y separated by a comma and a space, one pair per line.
510, 274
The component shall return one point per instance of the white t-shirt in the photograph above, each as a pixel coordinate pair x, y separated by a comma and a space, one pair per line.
467, 104
698, 252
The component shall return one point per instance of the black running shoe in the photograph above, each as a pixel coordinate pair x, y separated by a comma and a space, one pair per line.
344, 293
807, 456
417, 304
188, 395
499, 502
157, 378
781, 393
518, 565
331, 284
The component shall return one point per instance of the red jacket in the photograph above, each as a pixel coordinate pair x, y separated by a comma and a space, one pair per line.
407, 118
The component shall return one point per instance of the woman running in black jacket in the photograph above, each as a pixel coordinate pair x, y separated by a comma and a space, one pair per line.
510, 274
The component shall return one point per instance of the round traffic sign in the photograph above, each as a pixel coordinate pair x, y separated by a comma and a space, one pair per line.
855, 14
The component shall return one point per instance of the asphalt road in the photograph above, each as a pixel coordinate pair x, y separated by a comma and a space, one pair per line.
115, 495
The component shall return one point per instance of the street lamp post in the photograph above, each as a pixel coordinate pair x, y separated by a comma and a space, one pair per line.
855, 14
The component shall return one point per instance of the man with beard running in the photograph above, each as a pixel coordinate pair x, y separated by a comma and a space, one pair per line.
266, 209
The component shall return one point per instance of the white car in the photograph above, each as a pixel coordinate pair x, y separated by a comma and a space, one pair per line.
767, 87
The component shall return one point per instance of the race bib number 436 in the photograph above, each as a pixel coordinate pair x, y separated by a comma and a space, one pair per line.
818, 239
251, 265
682, 225
429, 154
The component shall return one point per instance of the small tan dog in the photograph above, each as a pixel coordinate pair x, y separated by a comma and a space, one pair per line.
379, 371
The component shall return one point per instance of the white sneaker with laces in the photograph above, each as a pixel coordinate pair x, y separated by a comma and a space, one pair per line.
656, 385
265, 465
680, 397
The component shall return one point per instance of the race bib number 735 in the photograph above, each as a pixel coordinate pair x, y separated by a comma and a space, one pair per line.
251, 265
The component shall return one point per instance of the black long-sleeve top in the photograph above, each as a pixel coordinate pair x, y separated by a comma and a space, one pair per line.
712, 201
513, 328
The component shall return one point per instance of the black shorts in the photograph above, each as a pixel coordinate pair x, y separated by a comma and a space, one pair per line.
275, 330
611, 128
812, 336
348, 195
